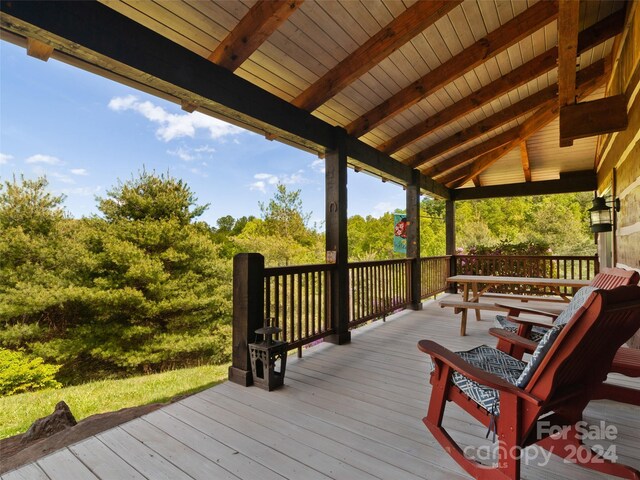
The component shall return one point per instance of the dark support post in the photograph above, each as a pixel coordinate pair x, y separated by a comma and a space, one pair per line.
413, 240
336, 238
450, 228
248, 312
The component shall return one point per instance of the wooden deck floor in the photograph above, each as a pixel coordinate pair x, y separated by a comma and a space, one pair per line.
346, 412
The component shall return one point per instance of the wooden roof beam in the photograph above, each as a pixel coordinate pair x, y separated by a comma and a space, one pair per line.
264, 18
597, 117
539, 120
583, 181
568, 17
399, 31
83, 31
495, 42
589, 38
524, 157
589, 77
490, 123
500, 118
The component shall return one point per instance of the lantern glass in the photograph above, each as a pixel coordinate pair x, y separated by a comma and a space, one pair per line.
600, 216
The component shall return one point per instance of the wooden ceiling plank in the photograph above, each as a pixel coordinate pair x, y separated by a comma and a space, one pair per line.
524, 157
38, 49
495, 42
589, 78
568, 20
399, 31
596, 34
521, 75
253, 30
475, 151
586, 77
460, 176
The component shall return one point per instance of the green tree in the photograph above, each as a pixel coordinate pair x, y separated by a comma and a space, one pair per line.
28, 206
282, 235
141, 289
151, 197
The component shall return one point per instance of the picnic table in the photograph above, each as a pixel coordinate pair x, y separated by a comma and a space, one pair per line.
471, 293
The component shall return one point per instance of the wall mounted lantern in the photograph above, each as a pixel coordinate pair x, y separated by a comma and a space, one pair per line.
268, 358
600, 218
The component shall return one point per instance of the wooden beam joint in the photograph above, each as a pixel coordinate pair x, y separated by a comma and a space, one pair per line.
38, 49
597, 117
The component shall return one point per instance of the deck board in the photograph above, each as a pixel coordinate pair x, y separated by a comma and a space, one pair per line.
346, 412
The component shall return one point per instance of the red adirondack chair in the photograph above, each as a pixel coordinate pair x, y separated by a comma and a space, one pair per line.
625, 362
564, 375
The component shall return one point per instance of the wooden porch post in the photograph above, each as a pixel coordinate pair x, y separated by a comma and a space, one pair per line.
413, 240
248, 312
336, 238
450, 227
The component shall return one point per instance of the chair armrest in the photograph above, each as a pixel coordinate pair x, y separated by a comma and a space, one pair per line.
513, 338
443, 355
515, 310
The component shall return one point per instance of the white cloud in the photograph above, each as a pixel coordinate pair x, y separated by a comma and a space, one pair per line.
48, 159
264, 179
204, 149
267, 177
61, 177
259, 185
200, 173
318, 165
82, 191
381, 208
172, 126
188, 154
4, 158
79, 171
182, 153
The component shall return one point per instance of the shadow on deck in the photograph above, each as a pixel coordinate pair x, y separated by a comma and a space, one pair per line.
346, 412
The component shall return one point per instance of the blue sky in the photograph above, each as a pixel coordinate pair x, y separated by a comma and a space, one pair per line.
85, 132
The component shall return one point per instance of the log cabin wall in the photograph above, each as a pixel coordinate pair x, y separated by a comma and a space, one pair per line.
618, 159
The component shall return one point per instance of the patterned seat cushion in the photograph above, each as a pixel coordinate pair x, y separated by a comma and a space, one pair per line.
536, 333
508, 368
490, 360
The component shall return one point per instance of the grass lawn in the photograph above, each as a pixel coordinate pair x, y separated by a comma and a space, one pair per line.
18, 412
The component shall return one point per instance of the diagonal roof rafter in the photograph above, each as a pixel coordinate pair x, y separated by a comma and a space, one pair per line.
541, 64
495, 42
502, 117
539, 120
264, 18
399, 31
589, 78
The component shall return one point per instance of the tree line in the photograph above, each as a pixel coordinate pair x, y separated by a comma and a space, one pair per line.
145, 285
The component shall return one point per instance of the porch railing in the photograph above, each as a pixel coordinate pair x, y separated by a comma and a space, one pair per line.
433, 275
377, 289
573, 267
298, 298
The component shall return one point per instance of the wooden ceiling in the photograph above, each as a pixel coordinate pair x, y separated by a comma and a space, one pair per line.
467, 92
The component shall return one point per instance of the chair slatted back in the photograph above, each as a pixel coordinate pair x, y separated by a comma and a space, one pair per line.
610, 278
582, 354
